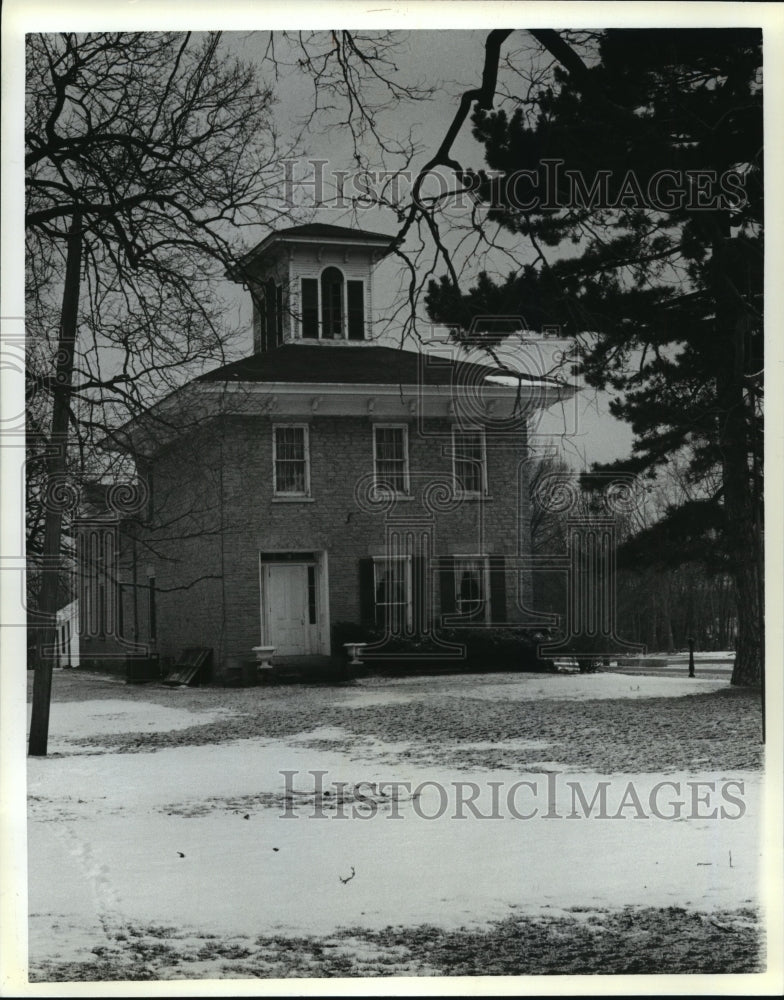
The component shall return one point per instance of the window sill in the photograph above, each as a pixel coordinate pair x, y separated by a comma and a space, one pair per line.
473, 496
293, 500
387, 492
330, 340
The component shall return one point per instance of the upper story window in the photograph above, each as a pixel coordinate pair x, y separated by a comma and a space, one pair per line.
290, 460
469, 462
390, 456
332, 307
268, 317
331, 303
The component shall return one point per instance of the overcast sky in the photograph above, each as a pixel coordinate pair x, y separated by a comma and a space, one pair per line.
447, 60
446, 63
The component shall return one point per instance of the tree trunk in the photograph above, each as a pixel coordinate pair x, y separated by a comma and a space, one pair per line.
748, 667
745, 552
55, 484
743, 519
653, 612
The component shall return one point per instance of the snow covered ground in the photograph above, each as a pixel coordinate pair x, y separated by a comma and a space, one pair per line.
216, 839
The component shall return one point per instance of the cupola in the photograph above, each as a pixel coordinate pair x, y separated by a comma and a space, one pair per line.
312, 284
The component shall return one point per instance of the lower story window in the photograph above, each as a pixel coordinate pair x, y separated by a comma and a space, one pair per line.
392, 590
471, 586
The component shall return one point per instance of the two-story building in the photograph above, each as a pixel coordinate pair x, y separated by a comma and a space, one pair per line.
329, 478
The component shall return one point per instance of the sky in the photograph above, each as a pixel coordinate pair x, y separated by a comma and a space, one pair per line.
444, 64
445, 56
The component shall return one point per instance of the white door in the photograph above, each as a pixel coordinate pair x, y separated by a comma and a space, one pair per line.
287, 609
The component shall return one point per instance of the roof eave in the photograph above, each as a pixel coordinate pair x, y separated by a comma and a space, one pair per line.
238, 271
196, 404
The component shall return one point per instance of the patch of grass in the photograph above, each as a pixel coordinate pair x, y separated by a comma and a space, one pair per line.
632, 940
717, 730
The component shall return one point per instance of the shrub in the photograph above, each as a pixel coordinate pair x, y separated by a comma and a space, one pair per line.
489, 648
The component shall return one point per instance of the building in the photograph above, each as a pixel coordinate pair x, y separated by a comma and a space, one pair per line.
329, 479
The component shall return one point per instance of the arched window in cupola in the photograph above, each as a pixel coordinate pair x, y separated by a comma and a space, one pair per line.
332, 308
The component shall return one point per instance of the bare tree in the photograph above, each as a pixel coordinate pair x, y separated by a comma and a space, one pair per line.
144, 154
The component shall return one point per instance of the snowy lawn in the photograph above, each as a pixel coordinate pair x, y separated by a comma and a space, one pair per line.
165, 840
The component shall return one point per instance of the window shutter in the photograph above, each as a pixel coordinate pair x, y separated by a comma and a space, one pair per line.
367, 593
420, 602
356, 310
446, 579
271, 297
151, 609
497, 591
262, 340
258, 324
310, 308
279, 314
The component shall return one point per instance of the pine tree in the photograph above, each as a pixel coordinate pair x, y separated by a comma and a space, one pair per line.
646, 156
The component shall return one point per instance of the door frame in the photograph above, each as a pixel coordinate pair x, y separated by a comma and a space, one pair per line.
320, 634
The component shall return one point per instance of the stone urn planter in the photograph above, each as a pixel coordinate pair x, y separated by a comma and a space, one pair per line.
354, 651
264, 656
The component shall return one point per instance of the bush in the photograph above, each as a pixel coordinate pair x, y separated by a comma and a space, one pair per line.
489, 648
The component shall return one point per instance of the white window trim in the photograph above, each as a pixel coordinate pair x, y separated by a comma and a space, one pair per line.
379, 561
306, 441
344, 317
459, 491
406, 466
485, 562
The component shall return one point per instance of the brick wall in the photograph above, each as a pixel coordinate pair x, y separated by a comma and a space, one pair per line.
184, 545
214, 513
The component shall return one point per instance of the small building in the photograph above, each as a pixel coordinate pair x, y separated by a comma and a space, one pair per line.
328, 478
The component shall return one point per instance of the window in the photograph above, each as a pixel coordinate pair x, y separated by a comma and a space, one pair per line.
331, 303
390, 456
99, 597
291, 460
392, 590
469, 462
332, 308
471, 587
268, 316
